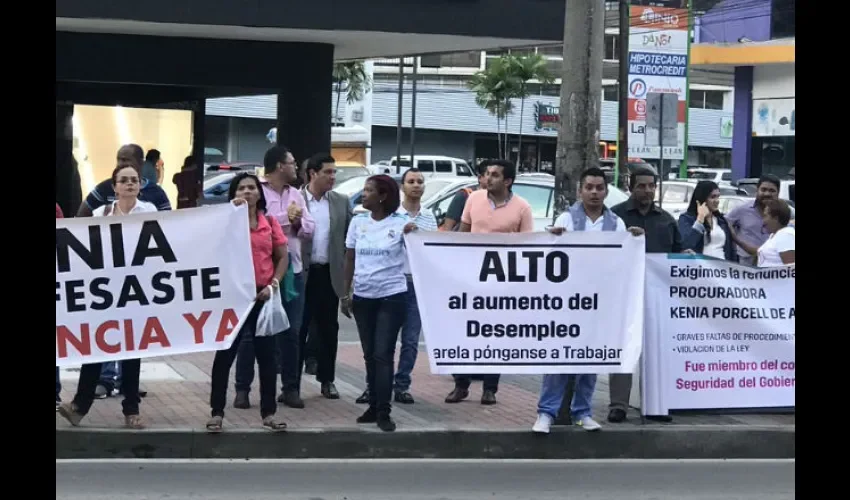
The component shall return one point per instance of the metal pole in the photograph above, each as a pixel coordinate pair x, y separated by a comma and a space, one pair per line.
623, 95
683, 167
398, 128
661, 152
413, 112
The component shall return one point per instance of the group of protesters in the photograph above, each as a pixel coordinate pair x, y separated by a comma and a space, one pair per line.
311, 250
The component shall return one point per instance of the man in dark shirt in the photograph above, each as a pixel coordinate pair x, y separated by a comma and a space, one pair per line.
662, 236
451, 222
103, 193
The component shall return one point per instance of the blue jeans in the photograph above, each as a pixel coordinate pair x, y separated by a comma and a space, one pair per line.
287, 346
110, 375
552, 394
409, 341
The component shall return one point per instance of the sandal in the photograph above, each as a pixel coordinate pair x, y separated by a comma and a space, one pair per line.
134, 422
214, 425
273, 425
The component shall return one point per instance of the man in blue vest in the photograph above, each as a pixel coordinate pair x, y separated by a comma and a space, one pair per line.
589, 214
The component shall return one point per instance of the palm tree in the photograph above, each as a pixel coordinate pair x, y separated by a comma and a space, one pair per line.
352, 78
523, 69
494, 86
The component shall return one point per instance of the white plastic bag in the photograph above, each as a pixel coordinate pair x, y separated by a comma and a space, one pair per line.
272, 318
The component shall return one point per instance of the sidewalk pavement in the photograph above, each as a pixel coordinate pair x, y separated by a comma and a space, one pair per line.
177, 408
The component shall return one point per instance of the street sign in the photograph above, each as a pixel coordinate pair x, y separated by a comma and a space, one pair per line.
662, 120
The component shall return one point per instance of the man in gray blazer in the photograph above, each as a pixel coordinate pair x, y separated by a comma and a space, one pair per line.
323, 261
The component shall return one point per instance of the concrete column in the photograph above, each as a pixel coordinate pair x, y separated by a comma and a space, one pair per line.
304, 108
742, 132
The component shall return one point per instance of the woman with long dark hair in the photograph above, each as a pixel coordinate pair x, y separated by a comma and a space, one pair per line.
374, 267
704, 228
269, 252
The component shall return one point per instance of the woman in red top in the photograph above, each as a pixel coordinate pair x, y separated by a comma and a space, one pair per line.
269, 250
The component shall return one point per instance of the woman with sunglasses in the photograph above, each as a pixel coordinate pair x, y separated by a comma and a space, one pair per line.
126, 183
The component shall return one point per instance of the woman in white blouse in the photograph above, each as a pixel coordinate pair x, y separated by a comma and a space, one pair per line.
780, 246
126, 183
704, 228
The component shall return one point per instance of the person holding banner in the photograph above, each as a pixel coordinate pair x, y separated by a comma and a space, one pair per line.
589, 214
493, 210
704, 228
270, 255
126, 182
662, 236
779, 249
374, 267
285, 204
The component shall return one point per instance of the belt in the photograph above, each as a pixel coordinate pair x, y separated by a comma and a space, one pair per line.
320, 265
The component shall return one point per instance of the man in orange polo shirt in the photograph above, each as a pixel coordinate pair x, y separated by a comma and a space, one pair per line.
494, 210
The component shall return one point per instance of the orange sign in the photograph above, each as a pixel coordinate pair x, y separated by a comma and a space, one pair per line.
660, 18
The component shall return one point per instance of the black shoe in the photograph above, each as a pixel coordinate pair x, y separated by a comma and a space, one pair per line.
329, 391
457, 395
488, 398
291, 399
311, 366
386, 424
364, 398
617, 416
404, 398
241, 400
369, 417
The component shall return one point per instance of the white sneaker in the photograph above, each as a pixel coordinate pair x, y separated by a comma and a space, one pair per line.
588, 424
543, 423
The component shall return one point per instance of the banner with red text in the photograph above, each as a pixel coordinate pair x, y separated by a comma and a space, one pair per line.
151, 284
717, 335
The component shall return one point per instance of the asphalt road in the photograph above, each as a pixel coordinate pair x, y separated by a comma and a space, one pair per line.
425, 480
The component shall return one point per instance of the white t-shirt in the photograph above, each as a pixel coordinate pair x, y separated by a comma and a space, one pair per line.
783, 240
714, 248
424, 220
565, 220
379, 255
141, 207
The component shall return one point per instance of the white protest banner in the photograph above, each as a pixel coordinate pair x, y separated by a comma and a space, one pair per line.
151, 284
529, 303
718, 335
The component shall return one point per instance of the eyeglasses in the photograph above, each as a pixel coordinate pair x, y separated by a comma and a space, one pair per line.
128, 180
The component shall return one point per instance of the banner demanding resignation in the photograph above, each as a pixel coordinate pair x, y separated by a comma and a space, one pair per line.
151, 284
529, 303
717, 335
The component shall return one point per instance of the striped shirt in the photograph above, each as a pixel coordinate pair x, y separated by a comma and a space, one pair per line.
424, 220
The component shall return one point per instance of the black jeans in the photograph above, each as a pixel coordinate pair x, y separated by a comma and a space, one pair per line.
321, 308
490, 382
378, 323
265, 352
287, 347
90, 376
